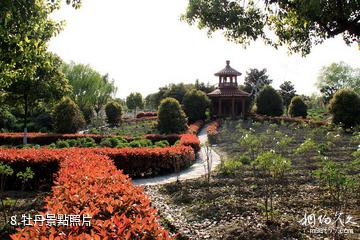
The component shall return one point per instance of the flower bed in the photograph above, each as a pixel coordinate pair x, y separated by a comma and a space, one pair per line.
195, 127
89, 184
212, 131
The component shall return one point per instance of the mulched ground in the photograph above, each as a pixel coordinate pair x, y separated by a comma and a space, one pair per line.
231, 206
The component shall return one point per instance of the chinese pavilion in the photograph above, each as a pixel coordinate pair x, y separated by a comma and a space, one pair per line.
228, 100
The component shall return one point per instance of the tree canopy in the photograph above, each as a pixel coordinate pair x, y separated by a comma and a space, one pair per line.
172, 119
195, 104
287, 92
337, 76
256, 80
134, 101
298, 24
90, 90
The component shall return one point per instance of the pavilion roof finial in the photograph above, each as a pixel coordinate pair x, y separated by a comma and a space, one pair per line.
228, 71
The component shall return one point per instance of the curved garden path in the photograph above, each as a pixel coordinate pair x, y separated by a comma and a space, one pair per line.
194, 171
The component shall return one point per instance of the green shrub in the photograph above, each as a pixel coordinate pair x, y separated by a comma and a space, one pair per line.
141, 143
231, 167
163, 143
297, 107
172, 118
195, 104
123, 145
269, 102
94, 131
345, 108
112, 142
113, 113
67, 117
109, 142
62, 144
86, 142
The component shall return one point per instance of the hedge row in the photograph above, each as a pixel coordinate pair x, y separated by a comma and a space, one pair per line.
90, 184
262, 118
212, 131
135, 120
46, 139
195, 127
140, 162
146, 114
137, 162
43, 162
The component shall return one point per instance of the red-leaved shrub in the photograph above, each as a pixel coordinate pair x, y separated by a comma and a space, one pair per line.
190, 140
195, 127
89, 184
212, 131
137, 162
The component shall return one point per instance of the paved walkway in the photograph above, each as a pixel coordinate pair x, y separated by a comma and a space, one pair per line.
194, 171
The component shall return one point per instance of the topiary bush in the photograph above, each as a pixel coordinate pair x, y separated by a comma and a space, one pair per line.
67, 117
113, 112
297, 107
172, 119
269, 102
345, 108
195, 104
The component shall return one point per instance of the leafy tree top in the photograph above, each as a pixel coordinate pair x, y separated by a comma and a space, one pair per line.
287, 92
134, 101
256, 79
337, 76
298, 24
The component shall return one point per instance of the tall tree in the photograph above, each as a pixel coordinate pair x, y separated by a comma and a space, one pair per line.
298, 24
134, 101
105, 91
90, 90
337, 76
256, 80
206, 88
47, 84
25, 64
287, 92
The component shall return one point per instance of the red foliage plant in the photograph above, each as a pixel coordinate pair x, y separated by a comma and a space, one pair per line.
190, 140
136, 162
195, 127
89, 184
212, 130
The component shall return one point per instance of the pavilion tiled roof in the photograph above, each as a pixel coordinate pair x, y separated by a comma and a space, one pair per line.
228, 71
228, 92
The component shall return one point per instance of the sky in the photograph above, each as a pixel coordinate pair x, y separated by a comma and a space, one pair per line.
143, 45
